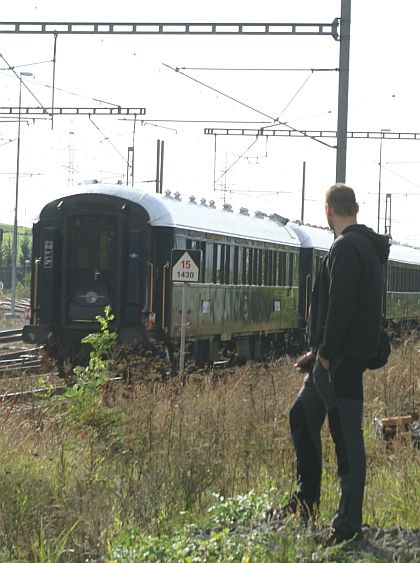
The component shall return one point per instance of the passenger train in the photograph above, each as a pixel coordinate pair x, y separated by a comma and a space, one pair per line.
111, 245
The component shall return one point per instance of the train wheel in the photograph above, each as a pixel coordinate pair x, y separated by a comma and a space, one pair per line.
66, 370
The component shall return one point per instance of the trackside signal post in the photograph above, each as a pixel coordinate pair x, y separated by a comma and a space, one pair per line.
185, 268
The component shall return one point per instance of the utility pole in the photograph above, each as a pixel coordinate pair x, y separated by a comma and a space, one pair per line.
343, 91
160, 150
388, 214
302, 207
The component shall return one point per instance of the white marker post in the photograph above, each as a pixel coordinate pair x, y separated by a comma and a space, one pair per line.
185, 269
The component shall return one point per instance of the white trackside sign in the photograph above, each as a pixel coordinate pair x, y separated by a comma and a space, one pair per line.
186, 265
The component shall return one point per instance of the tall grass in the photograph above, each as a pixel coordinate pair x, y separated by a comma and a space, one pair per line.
151, 455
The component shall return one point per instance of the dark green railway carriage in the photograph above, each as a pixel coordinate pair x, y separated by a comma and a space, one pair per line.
402, 307
112, 245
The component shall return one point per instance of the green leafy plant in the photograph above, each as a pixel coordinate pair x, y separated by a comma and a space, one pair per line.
85, 404
99, 368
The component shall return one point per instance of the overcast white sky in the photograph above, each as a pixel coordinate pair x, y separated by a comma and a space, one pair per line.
129, 71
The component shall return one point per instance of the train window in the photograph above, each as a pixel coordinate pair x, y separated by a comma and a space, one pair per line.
216, 262
236, 265
260, 268
180, 241
290, 277
199, 245
399, 279
283, 269
414, 280
255, 265
269, 276
92, 244
221, 264
279, 268
208, 262
295, 269
245, 262
250, 253
264, 263
275, 268
227, 264
203, 260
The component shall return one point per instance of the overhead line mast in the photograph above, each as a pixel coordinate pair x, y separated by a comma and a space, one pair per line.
117, 110
262, 132
121, 28
224, 28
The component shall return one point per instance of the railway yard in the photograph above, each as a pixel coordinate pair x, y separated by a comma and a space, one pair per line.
162, 279
261, 388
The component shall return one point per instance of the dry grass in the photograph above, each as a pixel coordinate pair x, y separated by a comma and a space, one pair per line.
151, 451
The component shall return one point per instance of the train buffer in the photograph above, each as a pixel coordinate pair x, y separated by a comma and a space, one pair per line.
221, 363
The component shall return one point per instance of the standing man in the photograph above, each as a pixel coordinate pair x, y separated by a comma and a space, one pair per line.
343, 329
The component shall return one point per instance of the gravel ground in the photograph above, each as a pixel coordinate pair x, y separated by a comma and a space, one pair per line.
377, 544
392, 544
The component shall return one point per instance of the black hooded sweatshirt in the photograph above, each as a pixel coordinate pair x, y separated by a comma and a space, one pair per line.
346, 305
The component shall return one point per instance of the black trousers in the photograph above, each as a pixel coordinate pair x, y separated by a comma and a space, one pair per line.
337, 394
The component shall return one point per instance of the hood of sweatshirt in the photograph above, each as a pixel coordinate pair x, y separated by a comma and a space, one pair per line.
381, 243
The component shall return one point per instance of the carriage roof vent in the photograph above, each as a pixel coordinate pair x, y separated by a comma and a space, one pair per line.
212, 204
227, 207
192, 199
177, 196
244, 211
203, 201
279, 219
167, 193
84, 182
260, 214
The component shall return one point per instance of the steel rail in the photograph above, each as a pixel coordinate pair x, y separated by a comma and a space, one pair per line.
11, 335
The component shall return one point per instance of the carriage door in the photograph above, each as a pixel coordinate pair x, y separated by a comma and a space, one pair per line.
91, 272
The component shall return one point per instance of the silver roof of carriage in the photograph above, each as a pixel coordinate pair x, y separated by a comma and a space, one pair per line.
313, 237
171, 211
405, 254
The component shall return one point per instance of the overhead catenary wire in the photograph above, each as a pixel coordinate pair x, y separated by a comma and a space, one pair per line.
27, 64
106, 138
7, 142
24, 83
249, 191
275, 120
177, 69
235, 161
40, 83
400, 176
296, 93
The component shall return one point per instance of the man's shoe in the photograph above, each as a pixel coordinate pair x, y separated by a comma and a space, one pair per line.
294, 506
343, 534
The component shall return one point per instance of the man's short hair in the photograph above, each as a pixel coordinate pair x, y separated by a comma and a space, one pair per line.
342, 199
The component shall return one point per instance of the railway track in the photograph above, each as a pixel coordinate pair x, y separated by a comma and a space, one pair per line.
11, 335
11, 365
14, 356
50, 389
